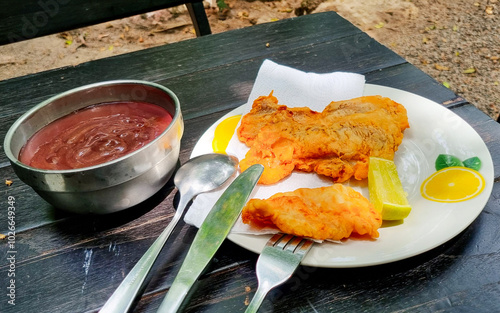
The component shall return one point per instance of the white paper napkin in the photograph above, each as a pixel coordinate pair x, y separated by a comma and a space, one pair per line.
293, 88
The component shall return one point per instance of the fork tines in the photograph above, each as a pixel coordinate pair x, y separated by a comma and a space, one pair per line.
290, 243
276, 263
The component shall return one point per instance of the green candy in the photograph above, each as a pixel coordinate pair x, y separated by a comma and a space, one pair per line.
473, 163
447, 160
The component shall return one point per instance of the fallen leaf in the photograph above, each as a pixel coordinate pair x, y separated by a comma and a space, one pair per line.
446, 84
66, 36
441, 67
82, 41
2, 236
380, 25
8, 182
243, 14
470, 70
172, 26
4, 60
489, 10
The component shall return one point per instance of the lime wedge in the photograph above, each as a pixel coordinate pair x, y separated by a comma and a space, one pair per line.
385, 190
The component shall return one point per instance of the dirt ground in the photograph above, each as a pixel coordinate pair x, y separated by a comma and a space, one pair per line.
457, 42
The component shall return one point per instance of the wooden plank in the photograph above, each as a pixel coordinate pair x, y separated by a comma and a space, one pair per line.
413, 283
487, 128
44, 213
390, 279
86, 260
409, 78
35, 18
31, 210
183, 58
34, 212
57, 247
73, 263
199, 17
236, 76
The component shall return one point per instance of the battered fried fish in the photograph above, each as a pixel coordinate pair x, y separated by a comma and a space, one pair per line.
333, 212
336, 142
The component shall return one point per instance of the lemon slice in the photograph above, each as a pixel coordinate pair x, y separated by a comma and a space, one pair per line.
386, 191
224, 132
453, 184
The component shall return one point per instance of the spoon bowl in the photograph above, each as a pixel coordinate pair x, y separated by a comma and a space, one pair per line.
200, 174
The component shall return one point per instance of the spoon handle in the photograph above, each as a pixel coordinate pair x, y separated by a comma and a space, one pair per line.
124, 296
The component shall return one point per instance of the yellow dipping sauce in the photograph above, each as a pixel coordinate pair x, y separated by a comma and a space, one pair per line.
224, 132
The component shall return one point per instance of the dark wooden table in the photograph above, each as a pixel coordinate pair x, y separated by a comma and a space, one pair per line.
68, 263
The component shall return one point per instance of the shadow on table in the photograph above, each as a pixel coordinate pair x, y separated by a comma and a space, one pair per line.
352, 286
85, 224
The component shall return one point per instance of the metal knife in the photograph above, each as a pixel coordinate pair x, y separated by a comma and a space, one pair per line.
210, 236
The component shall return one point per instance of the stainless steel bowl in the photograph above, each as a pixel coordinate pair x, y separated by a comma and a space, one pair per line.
111, 186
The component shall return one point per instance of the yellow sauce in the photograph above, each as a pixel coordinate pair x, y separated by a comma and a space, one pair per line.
223, 133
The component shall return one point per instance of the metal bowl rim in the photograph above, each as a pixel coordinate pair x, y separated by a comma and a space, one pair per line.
8, 137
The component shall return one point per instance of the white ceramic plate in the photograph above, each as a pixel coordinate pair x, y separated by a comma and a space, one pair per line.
433, 130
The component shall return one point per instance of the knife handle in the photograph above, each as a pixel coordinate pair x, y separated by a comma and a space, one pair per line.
177, 293
123, 298
213, 231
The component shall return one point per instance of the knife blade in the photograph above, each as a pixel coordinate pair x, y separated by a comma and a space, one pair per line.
210, 236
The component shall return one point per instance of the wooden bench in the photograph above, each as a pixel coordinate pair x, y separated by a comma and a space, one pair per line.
27, 19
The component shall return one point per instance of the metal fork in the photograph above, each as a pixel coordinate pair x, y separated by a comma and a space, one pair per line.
276, 264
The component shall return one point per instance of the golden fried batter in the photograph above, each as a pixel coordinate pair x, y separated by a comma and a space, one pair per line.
336, 142
333, 212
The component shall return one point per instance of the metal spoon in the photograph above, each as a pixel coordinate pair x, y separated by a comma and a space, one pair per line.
200, 174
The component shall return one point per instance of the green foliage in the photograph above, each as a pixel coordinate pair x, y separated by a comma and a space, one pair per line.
221, 4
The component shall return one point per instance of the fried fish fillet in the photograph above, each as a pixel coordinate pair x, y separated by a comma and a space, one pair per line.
336, 142
333, 212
